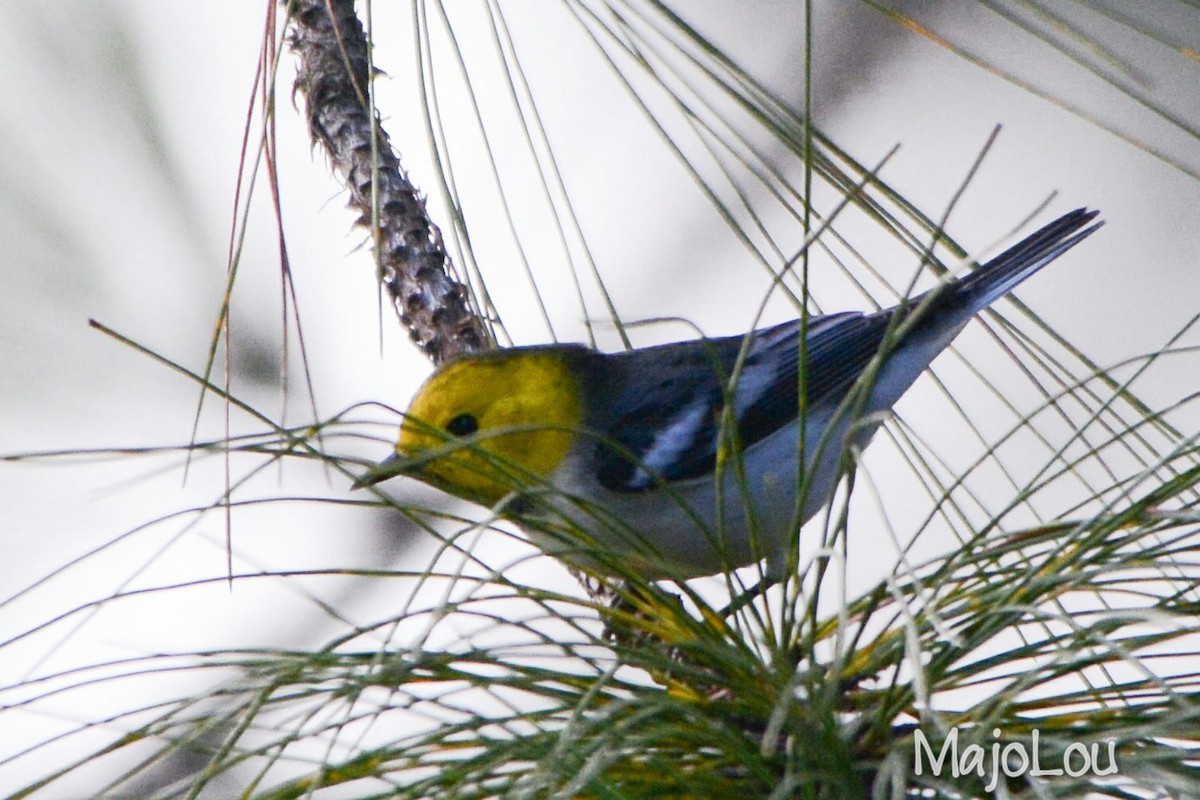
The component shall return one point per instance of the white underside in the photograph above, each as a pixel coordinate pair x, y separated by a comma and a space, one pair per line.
692, 528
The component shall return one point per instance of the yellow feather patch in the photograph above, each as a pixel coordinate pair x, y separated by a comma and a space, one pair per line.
518, 409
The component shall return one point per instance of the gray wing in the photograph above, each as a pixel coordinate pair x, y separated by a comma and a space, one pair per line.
668, 400
667, 412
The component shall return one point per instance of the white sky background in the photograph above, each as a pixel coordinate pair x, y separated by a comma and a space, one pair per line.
121, 125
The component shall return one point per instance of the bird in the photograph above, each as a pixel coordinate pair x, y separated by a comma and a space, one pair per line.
685, 459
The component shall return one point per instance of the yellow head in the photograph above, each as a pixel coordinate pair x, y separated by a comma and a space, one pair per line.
517, 407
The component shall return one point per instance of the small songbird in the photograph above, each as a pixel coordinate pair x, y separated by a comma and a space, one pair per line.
682, 460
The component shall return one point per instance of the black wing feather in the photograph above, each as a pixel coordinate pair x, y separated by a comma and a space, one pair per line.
839, 348
688, 399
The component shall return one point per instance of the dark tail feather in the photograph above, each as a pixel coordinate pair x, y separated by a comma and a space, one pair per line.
999, 276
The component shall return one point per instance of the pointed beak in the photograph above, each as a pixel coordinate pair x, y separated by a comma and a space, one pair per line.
390, 467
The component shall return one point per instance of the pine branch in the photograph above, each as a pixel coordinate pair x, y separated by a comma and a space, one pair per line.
334, 77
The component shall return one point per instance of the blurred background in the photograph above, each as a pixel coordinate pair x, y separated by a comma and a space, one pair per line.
122, 125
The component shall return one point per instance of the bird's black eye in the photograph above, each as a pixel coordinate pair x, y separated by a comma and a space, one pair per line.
463, 425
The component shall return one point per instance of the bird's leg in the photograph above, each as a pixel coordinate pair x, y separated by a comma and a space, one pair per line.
749, 596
